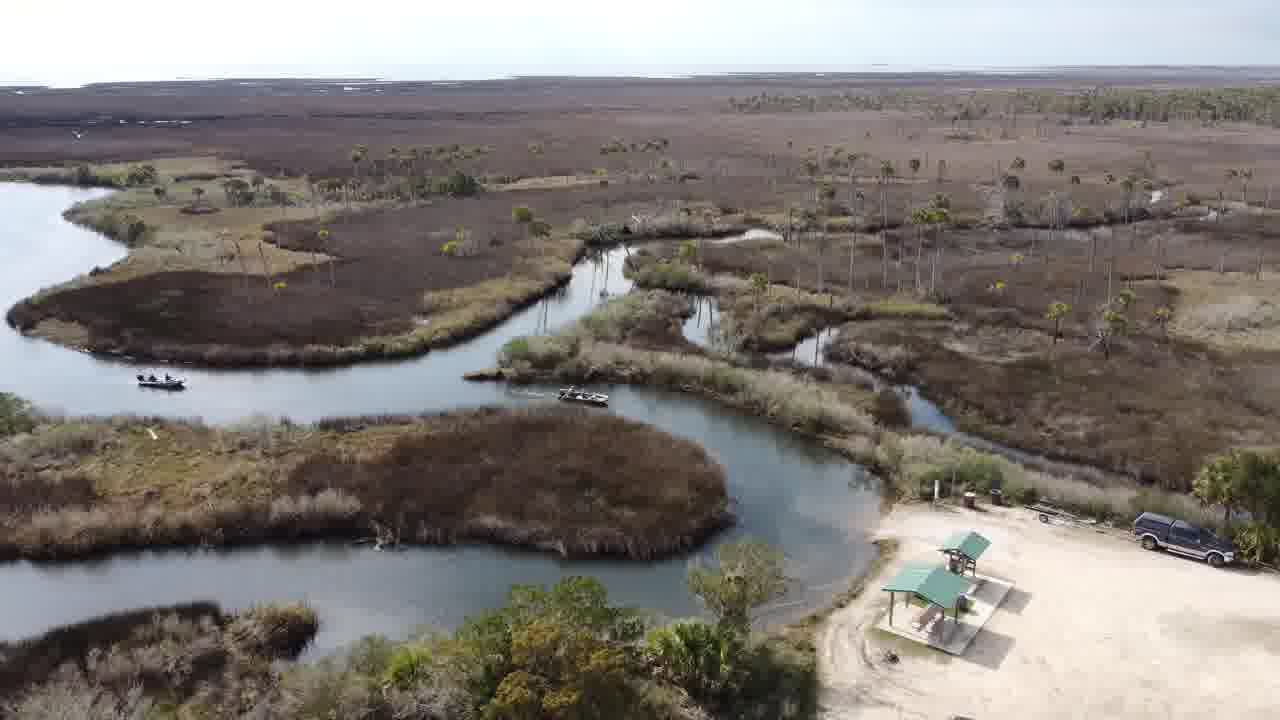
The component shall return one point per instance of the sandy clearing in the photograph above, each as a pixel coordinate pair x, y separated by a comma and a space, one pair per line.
1096, 628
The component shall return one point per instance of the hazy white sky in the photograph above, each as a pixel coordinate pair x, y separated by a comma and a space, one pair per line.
75, 41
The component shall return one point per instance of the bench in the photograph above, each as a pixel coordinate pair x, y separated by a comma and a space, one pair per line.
927, 618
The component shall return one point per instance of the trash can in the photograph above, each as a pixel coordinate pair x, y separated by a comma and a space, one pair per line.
997, 497
971, 500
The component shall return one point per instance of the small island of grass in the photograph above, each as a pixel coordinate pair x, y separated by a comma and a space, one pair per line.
563, 480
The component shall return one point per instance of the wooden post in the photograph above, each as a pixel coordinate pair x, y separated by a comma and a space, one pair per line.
893, 600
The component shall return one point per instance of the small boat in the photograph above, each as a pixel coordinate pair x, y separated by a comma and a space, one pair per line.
572, 394
165, 383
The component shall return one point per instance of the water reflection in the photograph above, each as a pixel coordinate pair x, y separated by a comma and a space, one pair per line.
811, 503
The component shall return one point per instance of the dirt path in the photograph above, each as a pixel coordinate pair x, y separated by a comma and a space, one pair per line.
1095, 628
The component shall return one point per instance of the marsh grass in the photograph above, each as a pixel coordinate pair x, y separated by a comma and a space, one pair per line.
917, 460
191, 262
147, 660
902, 308
665, 275
569, 482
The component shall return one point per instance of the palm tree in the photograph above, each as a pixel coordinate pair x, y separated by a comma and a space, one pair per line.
1162, 316
1217, 483
1127, 185
886, 174
1114, 325
915, 170
358, 155
1057, 167
1245, 176
760, 286
853, 159
323, 236
1057, 311
392, 163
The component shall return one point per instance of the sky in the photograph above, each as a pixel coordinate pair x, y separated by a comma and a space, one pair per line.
71, 42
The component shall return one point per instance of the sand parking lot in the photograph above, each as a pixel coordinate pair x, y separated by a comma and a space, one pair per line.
1096, 628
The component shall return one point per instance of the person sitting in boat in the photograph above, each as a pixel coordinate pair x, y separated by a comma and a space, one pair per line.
167, 378
151, 378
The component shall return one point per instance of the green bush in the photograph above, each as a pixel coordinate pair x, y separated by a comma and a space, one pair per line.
458, 184
538, 352
678, 277
409, 665
1258, 543
15, 415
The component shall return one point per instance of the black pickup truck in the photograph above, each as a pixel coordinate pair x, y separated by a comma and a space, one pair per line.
1158, 531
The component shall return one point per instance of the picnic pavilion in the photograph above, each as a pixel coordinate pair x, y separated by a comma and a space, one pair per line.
934, 585
963, 550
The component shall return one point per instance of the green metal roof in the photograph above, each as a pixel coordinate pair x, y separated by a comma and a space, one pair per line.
970, 544
933, 583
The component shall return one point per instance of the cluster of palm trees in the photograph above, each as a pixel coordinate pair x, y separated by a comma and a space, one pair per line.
403, 174
241, 193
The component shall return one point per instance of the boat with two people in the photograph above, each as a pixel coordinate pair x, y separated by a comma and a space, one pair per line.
165, 383
573, 394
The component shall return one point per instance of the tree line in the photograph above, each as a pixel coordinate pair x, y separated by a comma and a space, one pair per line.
1256, 105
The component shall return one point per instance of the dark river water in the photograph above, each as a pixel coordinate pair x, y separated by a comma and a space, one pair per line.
809, 502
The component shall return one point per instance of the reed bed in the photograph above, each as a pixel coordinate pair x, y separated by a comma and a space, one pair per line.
558, 479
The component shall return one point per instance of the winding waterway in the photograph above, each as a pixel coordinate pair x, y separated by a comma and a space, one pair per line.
811, 503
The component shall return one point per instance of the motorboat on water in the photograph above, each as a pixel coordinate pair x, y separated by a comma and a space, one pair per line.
165, 383
573, 394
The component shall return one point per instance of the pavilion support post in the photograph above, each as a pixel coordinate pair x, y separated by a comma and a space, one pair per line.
893, 600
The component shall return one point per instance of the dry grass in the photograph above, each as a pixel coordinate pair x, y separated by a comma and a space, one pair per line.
904, 308
144, 661
584, 484
1233, 310
915, 460
1127, 414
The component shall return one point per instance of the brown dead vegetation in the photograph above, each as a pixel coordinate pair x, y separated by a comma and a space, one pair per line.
140, 659
568, 481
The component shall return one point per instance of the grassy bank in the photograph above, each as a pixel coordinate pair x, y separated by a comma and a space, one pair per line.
796, 644
556, 479
1126, 414
147, 663
251, 279
847, 416
918, 460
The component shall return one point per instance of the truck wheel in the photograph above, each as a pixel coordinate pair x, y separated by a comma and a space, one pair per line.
1044, 518
1215, 560
1149, 543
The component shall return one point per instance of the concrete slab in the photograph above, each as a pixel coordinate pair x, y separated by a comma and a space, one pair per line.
943, 632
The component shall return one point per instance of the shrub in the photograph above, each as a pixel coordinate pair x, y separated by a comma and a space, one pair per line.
275, 630
671, 276
141, 175
538, 352
889, 410
1258, 543
409, 665
15, 415
450, 248
325, 691
458, 184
